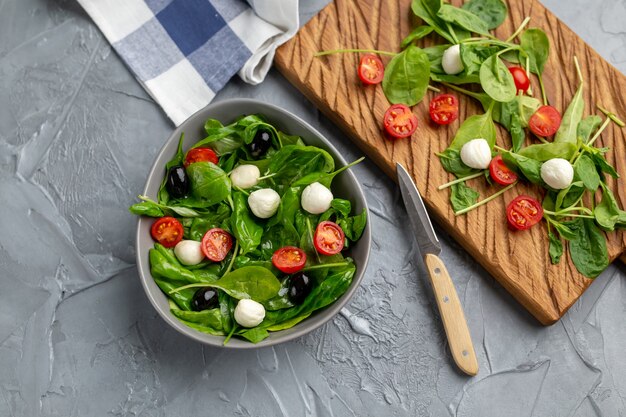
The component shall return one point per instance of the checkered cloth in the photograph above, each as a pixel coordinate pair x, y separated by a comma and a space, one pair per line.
184, 51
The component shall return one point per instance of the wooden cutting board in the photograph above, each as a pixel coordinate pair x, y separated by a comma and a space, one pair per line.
519, 261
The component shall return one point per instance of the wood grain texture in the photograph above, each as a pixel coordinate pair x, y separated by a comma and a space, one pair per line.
520, 261
452, 315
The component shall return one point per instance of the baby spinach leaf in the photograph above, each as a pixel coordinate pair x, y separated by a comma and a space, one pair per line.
476, 126
492, 12
147, 208
253, 282
555, 248
201, 328
529, 168
461, 78
288, 324
164, 266
564, 231
254, 335
473, 56
496, 80
545, 151
451, 161
341, 206
416, 34
353, 226
463, 18
571, 118
181, 298
585, 171
607, 213
200, 225
587, 127
406, 76
435, 56
324, 178
210, 185
570, 195
462, 196
292, 162
588, 249
427, 11
247, 232
518, 134
211, 318
600, 162
536, 45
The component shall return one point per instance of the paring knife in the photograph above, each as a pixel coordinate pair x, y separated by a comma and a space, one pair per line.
450, 308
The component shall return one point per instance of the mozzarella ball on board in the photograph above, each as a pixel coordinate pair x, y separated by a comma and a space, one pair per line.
245, 176
189, 252
476, 154
451, 60
558, 173
264, 203
316, 198
249, 313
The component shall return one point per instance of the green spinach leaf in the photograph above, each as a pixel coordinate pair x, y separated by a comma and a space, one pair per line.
492, 12
587, 126
545, 151
529, 168
571, 118
210, 185
496, 80
253, 282
588, 249
416, 34
463, 18
585, 171
555, 248
462, 196
406, 76
536, 45
476, 126
247, 232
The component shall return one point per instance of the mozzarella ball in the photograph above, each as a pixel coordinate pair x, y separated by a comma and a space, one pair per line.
558, 173
245, 176
264, 203
476, 154
316, 198
189, 252
249, 313
451, 60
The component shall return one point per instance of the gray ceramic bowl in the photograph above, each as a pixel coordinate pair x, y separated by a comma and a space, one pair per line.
345, 186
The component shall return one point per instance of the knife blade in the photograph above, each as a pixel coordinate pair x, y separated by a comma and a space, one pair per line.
448, 302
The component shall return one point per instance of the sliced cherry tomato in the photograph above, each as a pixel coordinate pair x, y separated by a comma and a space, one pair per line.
371, 69
545, 121
523, 212
501, 173
167, 231
289, 259
200, 155
521, 78
444, 109
328, 238
399, 121
216, 244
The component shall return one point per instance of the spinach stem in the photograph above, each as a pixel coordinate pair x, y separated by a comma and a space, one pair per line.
264, 177
232, 260
242, 191
452, 33
578, 71
435, 89
597, 135
486, 200
543, 90
310, 231
321, 266
230, 334
611, 116
194, 285
519, 29
498, 148
556, 214
458, 180
343, 51
542, 139
462, 90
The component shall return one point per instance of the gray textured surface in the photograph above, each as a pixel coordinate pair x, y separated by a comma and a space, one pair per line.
79, 338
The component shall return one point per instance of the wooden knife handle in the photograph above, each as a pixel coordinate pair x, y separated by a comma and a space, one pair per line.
452, 315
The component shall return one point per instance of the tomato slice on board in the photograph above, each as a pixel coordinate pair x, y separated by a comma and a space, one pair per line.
399, 121
216, 244
545, 121
168, 231
523, 212
444, 109
500, 173
521, 78
289, 259
371, 69
200, 155
328, 238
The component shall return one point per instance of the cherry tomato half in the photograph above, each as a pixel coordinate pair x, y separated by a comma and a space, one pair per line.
216, 244
200, 155
328, 238
371, 69
501, 173
523, 212
399, 121
545, 121
521, 78
444, 109
167, 231
289, 259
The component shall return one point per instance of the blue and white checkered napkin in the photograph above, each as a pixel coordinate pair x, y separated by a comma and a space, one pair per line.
184, 51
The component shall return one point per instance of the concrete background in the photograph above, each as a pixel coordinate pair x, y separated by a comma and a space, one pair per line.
79, 338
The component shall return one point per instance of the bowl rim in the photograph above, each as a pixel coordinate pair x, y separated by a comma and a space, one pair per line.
330, 311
